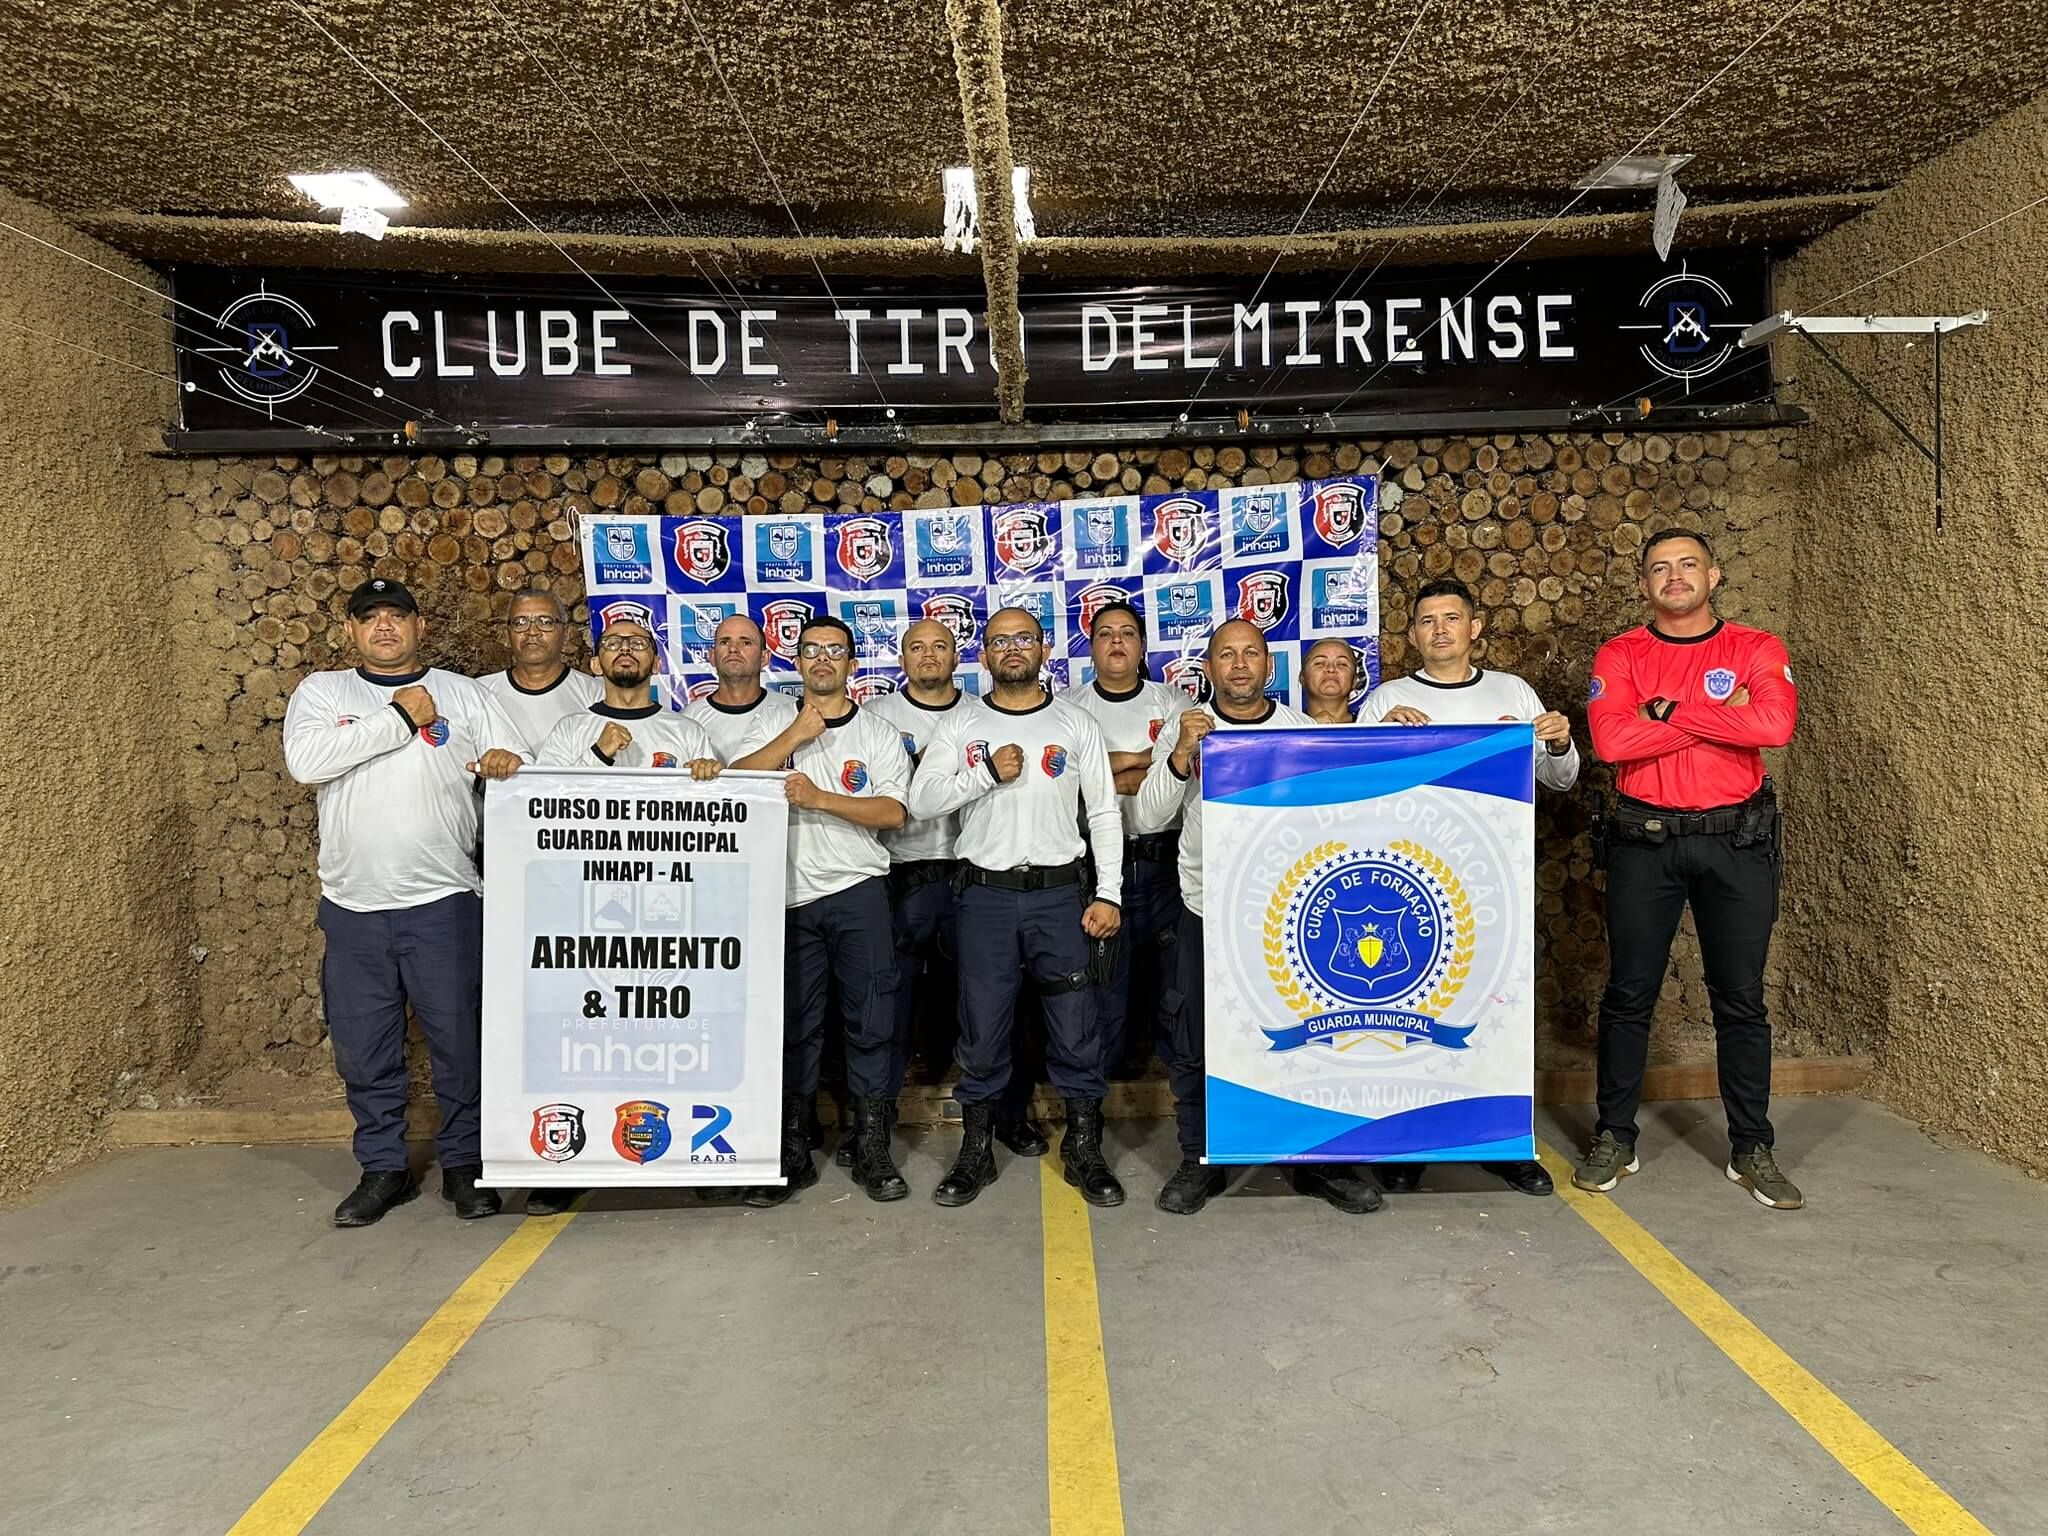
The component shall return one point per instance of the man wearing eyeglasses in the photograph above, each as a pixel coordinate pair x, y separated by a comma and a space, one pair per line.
740, 716
540, 689
1020, 844
848, 779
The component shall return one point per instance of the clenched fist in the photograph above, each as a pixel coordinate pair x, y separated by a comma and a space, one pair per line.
1008, 762
1194, 725
809, 724
613, 739
418, 705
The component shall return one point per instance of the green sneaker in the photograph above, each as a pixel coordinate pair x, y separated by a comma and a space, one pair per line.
1610, 1161
1757, 1171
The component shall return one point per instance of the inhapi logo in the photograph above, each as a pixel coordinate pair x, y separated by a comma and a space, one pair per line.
620, 553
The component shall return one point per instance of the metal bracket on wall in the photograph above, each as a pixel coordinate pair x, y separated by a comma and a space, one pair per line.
1936, 326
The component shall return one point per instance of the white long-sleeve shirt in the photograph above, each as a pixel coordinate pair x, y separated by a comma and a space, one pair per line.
537, 711
859, 754
1165, 794
398, 808
1035, 819
921, 837
1132, 722
661, 739
735, 732
1482, 699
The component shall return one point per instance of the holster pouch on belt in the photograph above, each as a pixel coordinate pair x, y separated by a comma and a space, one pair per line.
1102, 955
1761, 821
1631, 823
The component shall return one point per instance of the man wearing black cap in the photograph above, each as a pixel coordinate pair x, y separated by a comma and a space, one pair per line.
394, 748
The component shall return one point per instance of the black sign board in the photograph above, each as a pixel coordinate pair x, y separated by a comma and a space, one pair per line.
267, 355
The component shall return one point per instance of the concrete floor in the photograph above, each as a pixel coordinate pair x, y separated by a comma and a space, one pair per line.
180, 1324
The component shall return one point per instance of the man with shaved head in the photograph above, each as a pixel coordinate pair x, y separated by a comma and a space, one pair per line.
1022, 771
921, 858
1240, 667
740, 715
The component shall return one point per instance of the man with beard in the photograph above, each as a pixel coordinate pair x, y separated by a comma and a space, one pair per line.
922, 862
394, 748
740, 715
1681, 708
1135, 714
1329, 676
1449, 690
625, 729
540, 688
849, 777
1240, 665
1021, 909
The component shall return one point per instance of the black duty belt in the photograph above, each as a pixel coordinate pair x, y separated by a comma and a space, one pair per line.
1043, 877
916, 874
1661, 823
1160, 848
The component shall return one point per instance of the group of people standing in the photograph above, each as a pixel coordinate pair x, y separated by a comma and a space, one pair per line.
1047, 844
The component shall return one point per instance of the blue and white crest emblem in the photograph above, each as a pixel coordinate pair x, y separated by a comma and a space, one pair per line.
1720, 683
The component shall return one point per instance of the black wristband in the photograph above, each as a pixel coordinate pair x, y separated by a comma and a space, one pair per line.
599, 753
410, 724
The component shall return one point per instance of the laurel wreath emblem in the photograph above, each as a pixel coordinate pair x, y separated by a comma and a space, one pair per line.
1464, 932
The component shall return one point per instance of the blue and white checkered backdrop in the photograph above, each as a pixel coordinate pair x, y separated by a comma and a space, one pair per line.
1299, 560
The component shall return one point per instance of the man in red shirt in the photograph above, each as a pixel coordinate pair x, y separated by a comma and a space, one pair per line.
1681, 707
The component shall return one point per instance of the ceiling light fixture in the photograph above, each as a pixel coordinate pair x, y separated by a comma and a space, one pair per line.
358, 195
963, 208
1630, 173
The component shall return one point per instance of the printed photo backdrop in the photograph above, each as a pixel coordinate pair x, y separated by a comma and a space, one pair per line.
1298, 560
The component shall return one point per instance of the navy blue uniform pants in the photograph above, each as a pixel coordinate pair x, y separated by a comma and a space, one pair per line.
927, 948
1185, 1066
1006, 936
1146, 966
840, 949
431, 957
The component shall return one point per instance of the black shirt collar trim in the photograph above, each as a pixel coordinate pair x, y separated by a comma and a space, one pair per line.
383, 681
852, 714
534, 693
1271, 706
1043, 703
932, 709
618, 712
1118, 698
737, 709
1659, 634
1429, 682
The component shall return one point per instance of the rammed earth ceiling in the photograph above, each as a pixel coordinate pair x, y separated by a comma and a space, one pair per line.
1162, 139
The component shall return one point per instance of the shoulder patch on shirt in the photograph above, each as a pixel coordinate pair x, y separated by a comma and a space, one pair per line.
1597, 687
1152, 729
853, 776
977, 753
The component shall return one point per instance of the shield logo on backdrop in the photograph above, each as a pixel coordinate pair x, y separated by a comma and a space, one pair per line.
1092, 600
869, 686
625, 613
641, 1132
1370, 943
1177, 529
1184, 600
621, 541
1023, 537
1190, 674
947, 533
874, 623
865, 550
784, 541
1262, 598
1340, 513
703, 551
956, 613
557, 1133
781, 622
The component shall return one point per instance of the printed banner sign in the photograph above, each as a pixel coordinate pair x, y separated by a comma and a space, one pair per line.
633, 978
1298, 560
1370, 976
550, 359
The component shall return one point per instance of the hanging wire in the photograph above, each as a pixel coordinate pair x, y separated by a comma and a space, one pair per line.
1668, 118
1337, 292
775, 182
732, 303
1944, 246
185, 386
1321, 182
406, 107
376, 391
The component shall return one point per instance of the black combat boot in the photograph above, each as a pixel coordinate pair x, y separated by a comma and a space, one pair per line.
1081, 1153
797, 1169
458, 1188
1338, 1183
374, 1194
874, 1169
1191, 1187
1024, 1136
975, 1168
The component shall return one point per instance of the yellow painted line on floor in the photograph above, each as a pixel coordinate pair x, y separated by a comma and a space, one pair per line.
1080, 1435
289, 1504
1919, 1502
